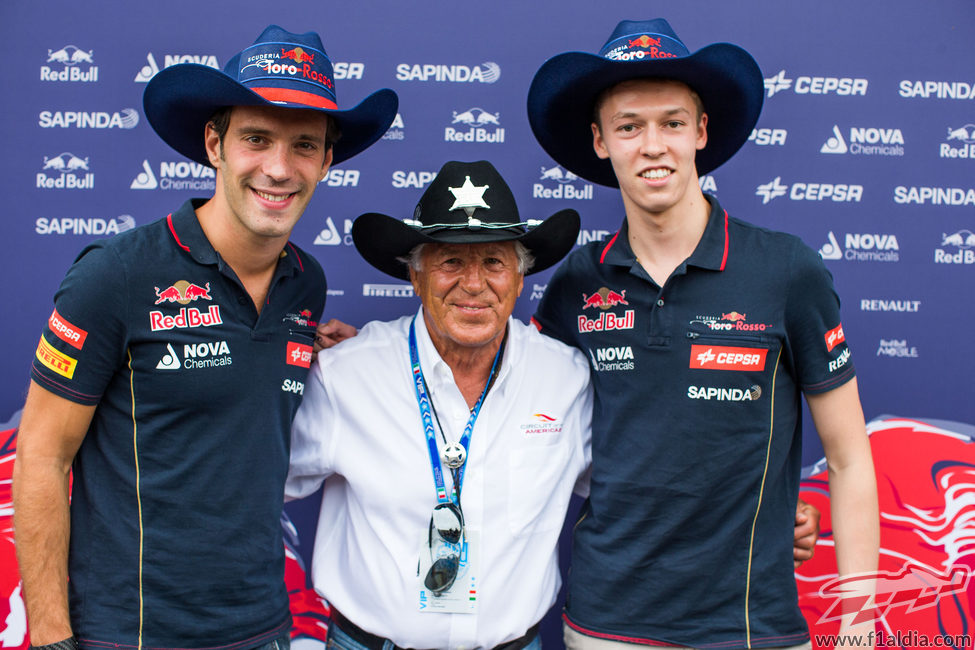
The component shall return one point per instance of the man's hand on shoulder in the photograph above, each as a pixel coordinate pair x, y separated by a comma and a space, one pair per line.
331, 332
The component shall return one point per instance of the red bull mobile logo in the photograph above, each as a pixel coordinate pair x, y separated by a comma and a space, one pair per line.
182, 292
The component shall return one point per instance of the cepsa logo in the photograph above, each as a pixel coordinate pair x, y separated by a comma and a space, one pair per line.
843, 86
720, 357
768, 137
834, 337
78, 65
488, 73
841, 193
341, 178
298, 354
64, 330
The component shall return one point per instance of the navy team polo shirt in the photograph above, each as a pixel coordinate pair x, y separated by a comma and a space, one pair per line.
687, 535
178, 486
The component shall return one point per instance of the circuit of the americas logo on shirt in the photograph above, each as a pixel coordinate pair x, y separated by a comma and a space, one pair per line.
542, 423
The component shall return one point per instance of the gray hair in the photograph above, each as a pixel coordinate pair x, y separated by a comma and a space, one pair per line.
413, 259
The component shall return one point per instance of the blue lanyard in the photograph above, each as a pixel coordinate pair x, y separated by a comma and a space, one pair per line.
424, 403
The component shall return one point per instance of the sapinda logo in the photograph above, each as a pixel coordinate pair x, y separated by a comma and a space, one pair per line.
488, 72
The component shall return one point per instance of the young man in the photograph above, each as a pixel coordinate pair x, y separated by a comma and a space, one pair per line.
162, 377
686, 538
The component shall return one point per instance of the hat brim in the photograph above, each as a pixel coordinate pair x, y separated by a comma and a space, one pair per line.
381, 239
180, 100
564, 91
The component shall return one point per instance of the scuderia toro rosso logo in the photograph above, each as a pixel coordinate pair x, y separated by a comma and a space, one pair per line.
604, 299
732, 321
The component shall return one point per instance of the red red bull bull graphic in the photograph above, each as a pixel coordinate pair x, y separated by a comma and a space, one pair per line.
718, 357
182, 292
64, 330
604, 298
607, 322
188, 317
298, 54
924, 592
645, 46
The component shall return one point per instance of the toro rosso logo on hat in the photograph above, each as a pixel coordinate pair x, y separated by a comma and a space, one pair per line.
264, 66
644, 46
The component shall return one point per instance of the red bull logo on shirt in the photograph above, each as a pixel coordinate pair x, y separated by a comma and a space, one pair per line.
604, 298
188, 317
182, 292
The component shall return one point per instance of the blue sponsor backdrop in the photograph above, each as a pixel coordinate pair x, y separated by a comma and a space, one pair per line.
865, 148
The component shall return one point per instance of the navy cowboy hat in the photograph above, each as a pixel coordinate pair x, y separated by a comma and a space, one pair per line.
466, 203
279, 69
564, 91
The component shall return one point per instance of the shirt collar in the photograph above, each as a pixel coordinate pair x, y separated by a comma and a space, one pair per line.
185, 229
711, 251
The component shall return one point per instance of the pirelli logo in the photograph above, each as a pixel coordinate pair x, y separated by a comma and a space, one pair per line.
720, 357
55, 360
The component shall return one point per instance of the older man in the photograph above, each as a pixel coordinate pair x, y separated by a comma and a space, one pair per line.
451, 438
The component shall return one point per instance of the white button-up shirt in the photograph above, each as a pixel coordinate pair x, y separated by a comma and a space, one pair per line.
359, 426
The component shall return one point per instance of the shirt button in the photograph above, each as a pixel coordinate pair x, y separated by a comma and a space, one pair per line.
660, 302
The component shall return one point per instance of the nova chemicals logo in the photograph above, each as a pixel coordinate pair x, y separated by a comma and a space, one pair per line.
862, 247
181, 175
329, 235
396, 130
482, 126
149, 70
127, 118
816, 85
609, 359
66, 173
488, 73
79, 65
838, 192
866, 141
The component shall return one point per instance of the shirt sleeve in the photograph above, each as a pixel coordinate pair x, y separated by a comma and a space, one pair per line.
553, 316
819, 348
312, 439
83, 344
